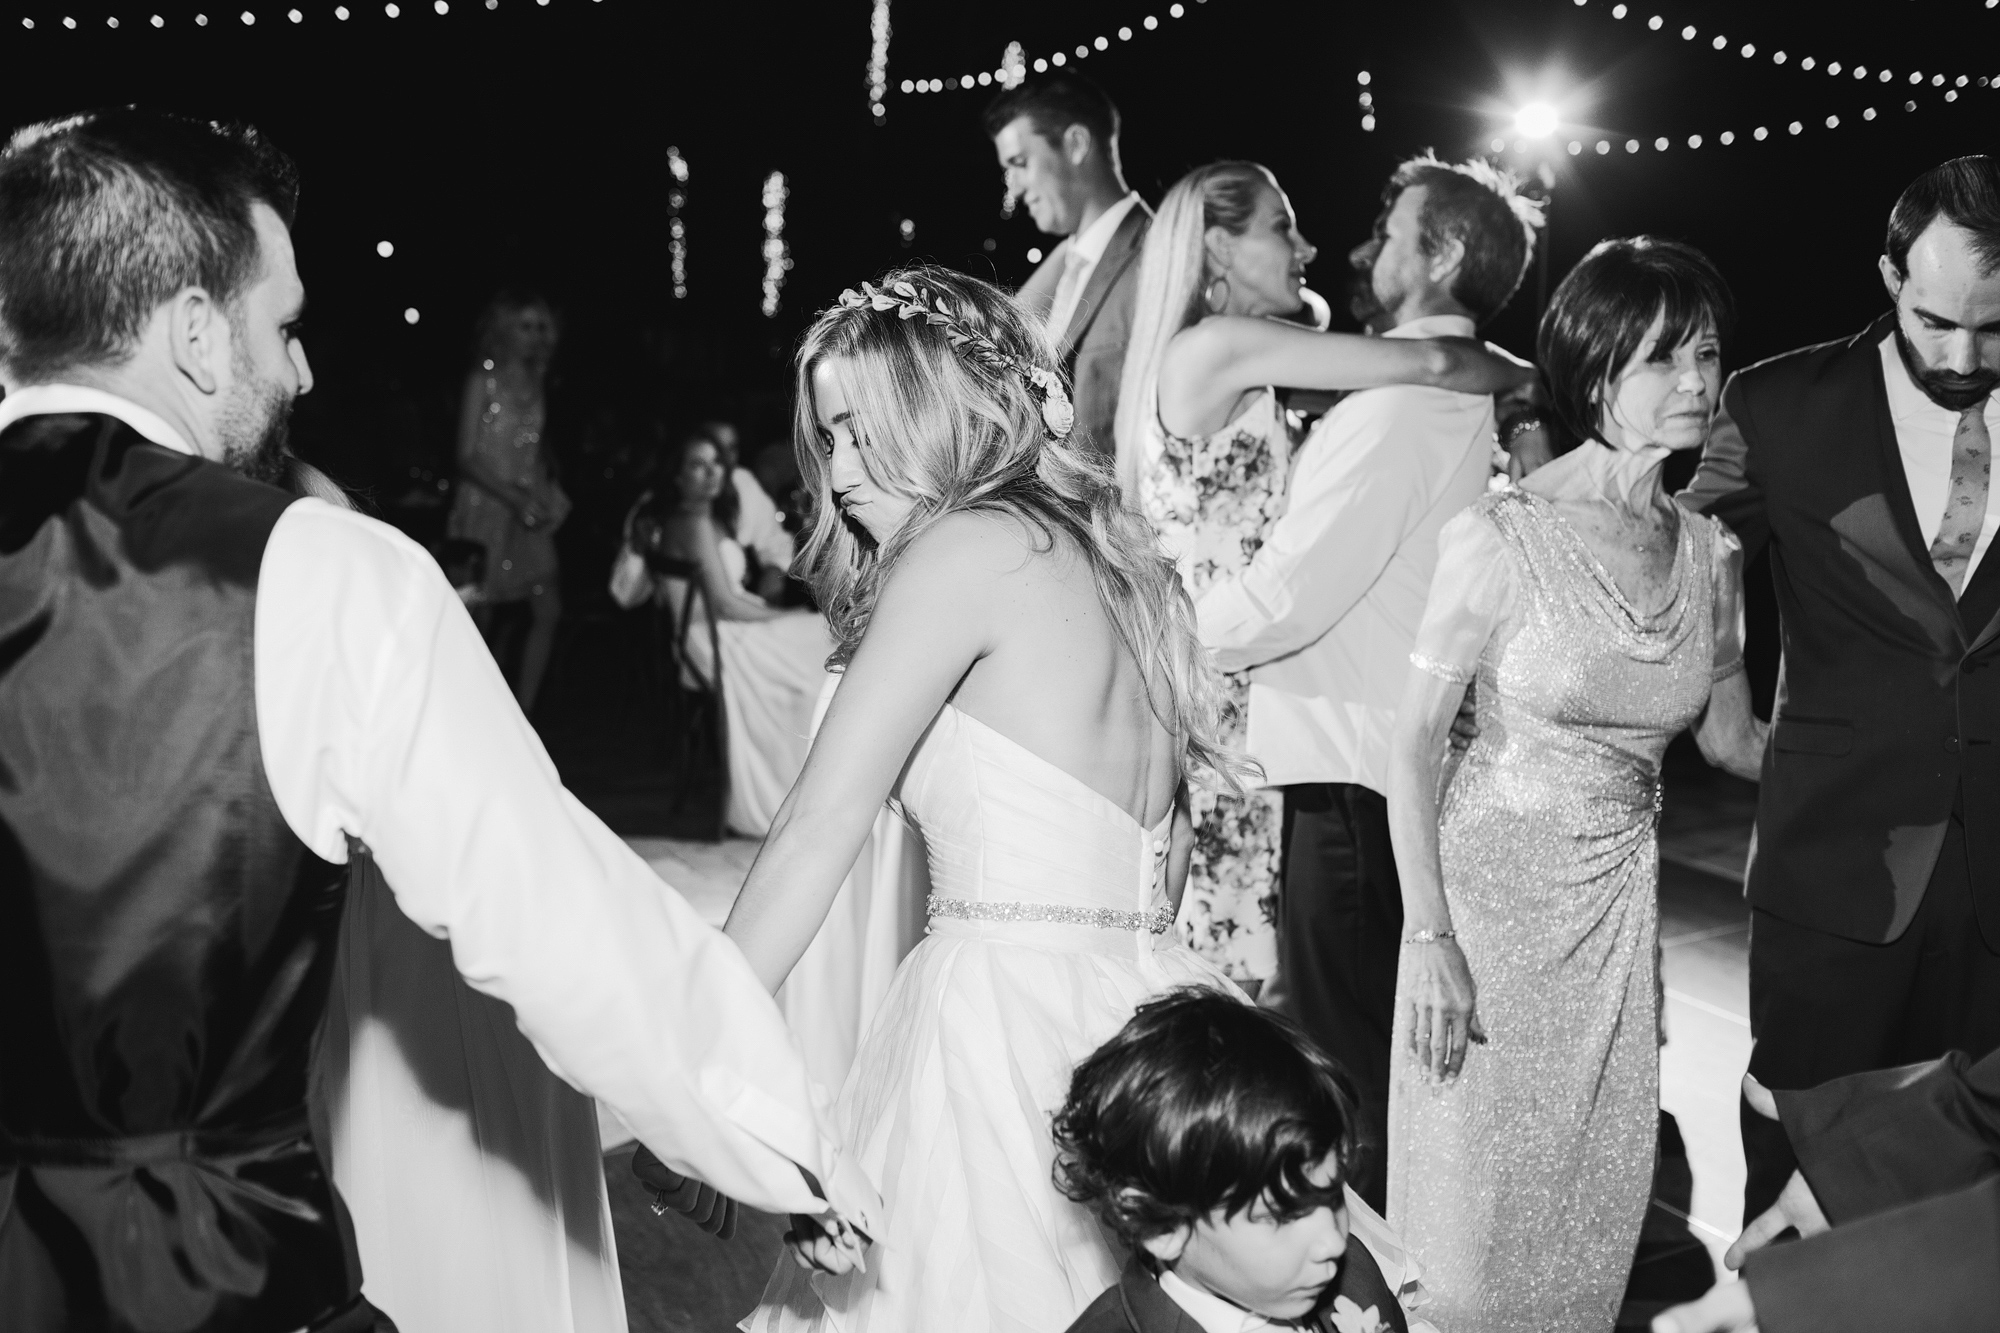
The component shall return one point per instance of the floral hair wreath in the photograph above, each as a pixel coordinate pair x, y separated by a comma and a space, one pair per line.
912, 302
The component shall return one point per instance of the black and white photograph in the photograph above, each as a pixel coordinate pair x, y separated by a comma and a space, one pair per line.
887, 666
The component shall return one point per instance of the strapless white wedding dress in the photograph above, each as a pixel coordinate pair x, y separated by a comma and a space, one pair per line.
1049, 925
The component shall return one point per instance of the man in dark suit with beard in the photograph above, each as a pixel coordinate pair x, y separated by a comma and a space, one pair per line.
1057, 141
1864, 465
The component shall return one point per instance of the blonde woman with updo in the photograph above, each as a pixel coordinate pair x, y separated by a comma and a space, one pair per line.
1021, 676
1203, 451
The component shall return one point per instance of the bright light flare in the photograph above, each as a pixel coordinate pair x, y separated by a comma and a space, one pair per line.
1536, 120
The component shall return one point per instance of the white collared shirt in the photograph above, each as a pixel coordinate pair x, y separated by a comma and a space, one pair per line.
1085, 249
381, 714
1924, 435
1214, 1314
1326, 613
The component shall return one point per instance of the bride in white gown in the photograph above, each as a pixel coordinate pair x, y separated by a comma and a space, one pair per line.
1022, 674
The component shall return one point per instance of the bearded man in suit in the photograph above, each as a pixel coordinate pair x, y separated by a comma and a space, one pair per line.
1057, 141
1865, 465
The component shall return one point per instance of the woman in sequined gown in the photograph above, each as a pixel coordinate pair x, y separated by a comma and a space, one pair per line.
1203, 445
1597, 619
508, 500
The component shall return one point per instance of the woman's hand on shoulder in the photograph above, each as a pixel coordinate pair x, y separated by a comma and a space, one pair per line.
1472, 366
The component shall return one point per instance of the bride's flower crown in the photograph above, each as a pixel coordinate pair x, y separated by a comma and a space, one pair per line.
912, 302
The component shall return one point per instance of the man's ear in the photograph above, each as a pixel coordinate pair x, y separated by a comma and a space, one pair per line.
1445, 263
1077, 144
198, 338
1891, 279
1168, 1246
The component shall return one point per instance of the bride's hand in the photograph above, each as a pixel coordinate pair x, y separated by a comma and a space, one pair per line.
1444, 1017
826, 1244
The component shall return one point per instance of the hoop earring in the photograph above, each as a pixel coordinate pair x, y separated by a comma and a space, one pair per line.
1216, 305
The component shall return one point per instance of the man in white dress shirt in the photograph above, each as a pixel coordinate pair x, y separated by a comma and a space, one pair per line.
1325, 615
211, 693
1056, 137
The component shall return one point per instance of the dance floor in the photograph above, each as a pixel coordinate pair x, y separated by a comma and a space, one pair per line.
679, 1281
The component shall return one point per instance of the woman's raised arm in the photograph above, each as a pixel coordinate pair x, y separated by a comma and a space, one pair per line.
927, 629
1209, 365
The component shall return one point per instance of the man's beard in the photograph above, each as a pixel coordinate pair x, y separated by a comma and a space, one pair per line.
1947, 388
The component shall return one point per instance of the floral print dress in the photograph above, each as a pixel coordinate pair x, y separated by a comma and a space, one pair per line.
1212, 498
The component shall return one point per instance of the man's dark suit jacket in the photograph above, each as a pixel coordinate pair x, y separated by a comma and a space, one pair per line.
1092, 348
1137, 1305
1906, 1165
1889, 702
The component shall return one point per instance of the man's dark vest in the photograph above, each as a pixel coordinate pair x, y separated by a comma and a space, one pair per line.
166, 943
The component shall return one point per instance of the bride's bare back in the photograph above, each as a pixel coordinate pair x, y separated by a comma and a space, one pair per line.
1056, 678
988, 614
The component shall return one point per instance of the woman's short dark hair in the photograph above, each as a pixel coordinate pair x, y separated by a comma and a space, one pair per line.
106, 215
1478, 205
1602, 308
1202, 1102
1052, 103
1964, 192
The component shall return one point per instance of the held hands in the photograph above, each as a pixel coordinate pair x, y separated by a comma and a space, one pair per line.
1726, 1308
1797, 1207
827, 1242
1443, 1015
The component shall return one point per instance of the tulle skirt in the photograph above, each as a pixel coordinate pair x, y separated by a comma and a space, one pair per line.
772, 671
948, 1109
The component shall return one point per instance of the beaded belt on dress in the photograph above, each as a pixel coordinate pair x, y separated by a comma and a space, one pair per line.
1159, 921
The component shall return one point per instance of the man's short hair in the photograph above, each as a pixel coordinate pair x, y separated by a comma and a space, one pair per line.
106, 215
1964, 192
1054, 102
1603, 307
1203, 1102
1477, 204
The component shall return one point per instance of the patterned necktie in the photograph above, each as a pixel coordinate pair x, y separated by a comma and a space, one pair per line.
1965, 505
1066, 293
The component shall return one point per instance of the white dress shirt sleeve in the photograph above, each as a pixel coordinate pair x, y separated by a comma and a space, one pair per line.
1353, 496
757, 525
383, 717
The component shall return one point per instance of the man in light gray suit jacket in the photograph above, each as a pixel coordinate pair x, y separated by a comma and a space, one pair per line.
1057, 141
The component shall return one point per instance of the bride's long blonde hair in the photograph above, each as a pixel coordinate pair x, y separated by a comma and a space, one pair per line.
1173, 280
958, 435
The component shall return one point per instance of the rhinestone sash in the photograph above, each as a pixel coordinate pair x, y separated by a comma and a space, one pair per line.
1159, 921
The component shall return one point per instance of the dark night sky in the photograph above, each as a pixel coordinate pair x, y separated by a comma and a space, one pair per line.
528, 143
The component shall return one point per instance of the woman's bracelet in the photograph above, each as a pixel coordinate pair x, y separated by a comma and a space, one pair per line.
1516, 429
1429, 936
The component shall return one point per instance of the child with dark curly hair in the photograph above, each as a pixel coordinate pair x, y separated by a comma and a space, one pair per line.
1214, 1140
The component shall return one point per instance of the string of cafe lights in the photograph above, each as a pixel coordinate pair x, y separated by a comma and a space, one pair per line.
1834, 68
878, 61
1042, 64
1604, 145
777, 254
248, 17
677, 243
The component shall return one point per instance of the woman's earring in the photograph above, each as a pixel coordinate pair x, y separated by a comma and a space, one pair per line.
1216, 304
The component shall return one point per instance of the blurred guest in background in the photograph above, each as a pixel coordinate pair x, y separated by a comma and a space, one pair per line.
1201, 433
769, 664
760, 528
1057, 140
1600, 619
508, 500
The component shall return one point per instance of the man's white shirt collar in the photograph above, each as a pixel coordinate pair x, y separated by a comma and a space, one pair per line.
41, 400
1214, 1314
1435, 326
1089, 244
